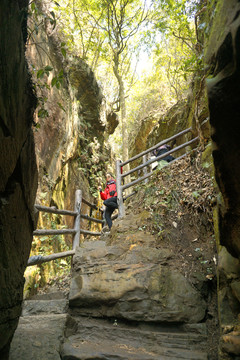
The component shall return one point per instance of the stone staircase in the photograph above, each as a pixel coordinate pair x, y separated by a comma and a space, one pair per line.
126, 302
101, 339
41, 329
47, 332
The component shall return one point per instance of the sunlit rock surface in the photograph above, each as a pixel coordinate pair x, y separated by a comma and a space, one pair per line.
132, 283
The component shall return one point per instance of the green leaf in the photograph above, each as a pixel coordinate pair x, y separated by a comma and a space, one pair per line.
42, 113
33, 6
61, 107
40, 74
206, 165
63, 51
195, 194
54, 81
48, 68
53, 22
53, 14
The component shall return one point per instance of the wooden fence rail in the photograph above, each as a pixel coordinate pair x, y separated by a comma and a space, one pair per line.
39, 259
160, 157
163, 142
144, 165
76, 231
43, 232
54, 210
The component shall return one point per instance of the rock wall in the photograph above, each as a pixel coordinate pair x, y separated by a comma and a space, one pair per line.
18, 179
71, 142
223, 84
71, 139
190, 112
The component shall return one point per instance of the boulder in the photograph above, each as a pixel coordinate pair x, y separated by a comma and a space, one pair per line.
134, 283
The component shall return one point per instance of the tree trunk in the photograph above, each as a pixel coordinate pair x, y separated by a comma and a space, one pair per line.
122, 118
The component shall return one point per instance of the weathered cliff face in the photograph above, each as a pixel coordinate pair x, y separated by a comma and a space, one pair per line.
71, 140
190, 112
70, 143
223, 93
18, 171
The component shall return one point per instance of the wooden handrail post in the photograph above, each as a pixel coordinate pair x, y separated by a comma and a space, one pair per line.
119, 189
77, 208
145, 168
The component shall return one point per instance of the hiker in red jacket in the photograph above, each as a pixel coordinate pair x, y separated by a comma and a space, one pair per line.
109, 195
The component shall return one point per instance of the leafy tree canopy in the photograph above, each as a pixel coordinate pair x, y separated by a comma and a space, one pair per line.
112, 35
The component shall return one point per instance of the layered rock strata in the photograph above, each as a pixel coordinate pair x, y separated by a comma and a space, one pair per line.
128, 301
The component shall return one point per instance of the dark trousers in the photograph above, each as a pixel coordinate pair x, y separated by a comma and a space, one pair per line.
167, 158
111, 205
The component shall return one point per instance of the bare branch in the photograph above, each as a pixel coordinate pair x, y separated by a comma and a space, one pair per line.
184, 40
80, 28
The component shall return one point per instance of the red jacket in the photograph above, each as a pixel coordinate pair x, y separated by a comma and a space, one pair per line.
110, 188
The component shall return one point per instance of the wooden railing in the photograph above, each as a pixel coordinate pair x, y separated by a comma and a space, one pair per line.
145, 164
76, 231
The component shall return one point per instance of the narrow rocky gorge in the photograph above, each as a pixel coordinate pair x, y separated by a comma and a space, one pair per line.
134, 294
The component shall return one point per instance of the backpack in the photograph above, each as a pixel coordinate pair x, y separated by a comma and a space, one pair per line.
112, 188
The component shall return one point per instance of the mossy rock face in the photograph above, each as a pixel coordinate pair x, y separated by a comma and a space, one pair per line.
223, 94
207, 159
173, 122
225, 11
207, 155
139, 140
223, 86
229, 267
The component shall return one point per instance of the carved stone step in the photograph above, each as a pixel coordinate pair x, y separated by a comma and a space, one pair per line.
38, 337
41, 307
97, 339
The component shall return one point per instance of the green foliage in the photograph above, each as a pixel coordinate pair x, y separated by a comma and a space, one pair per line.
195, 194
58, 80
92, 161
